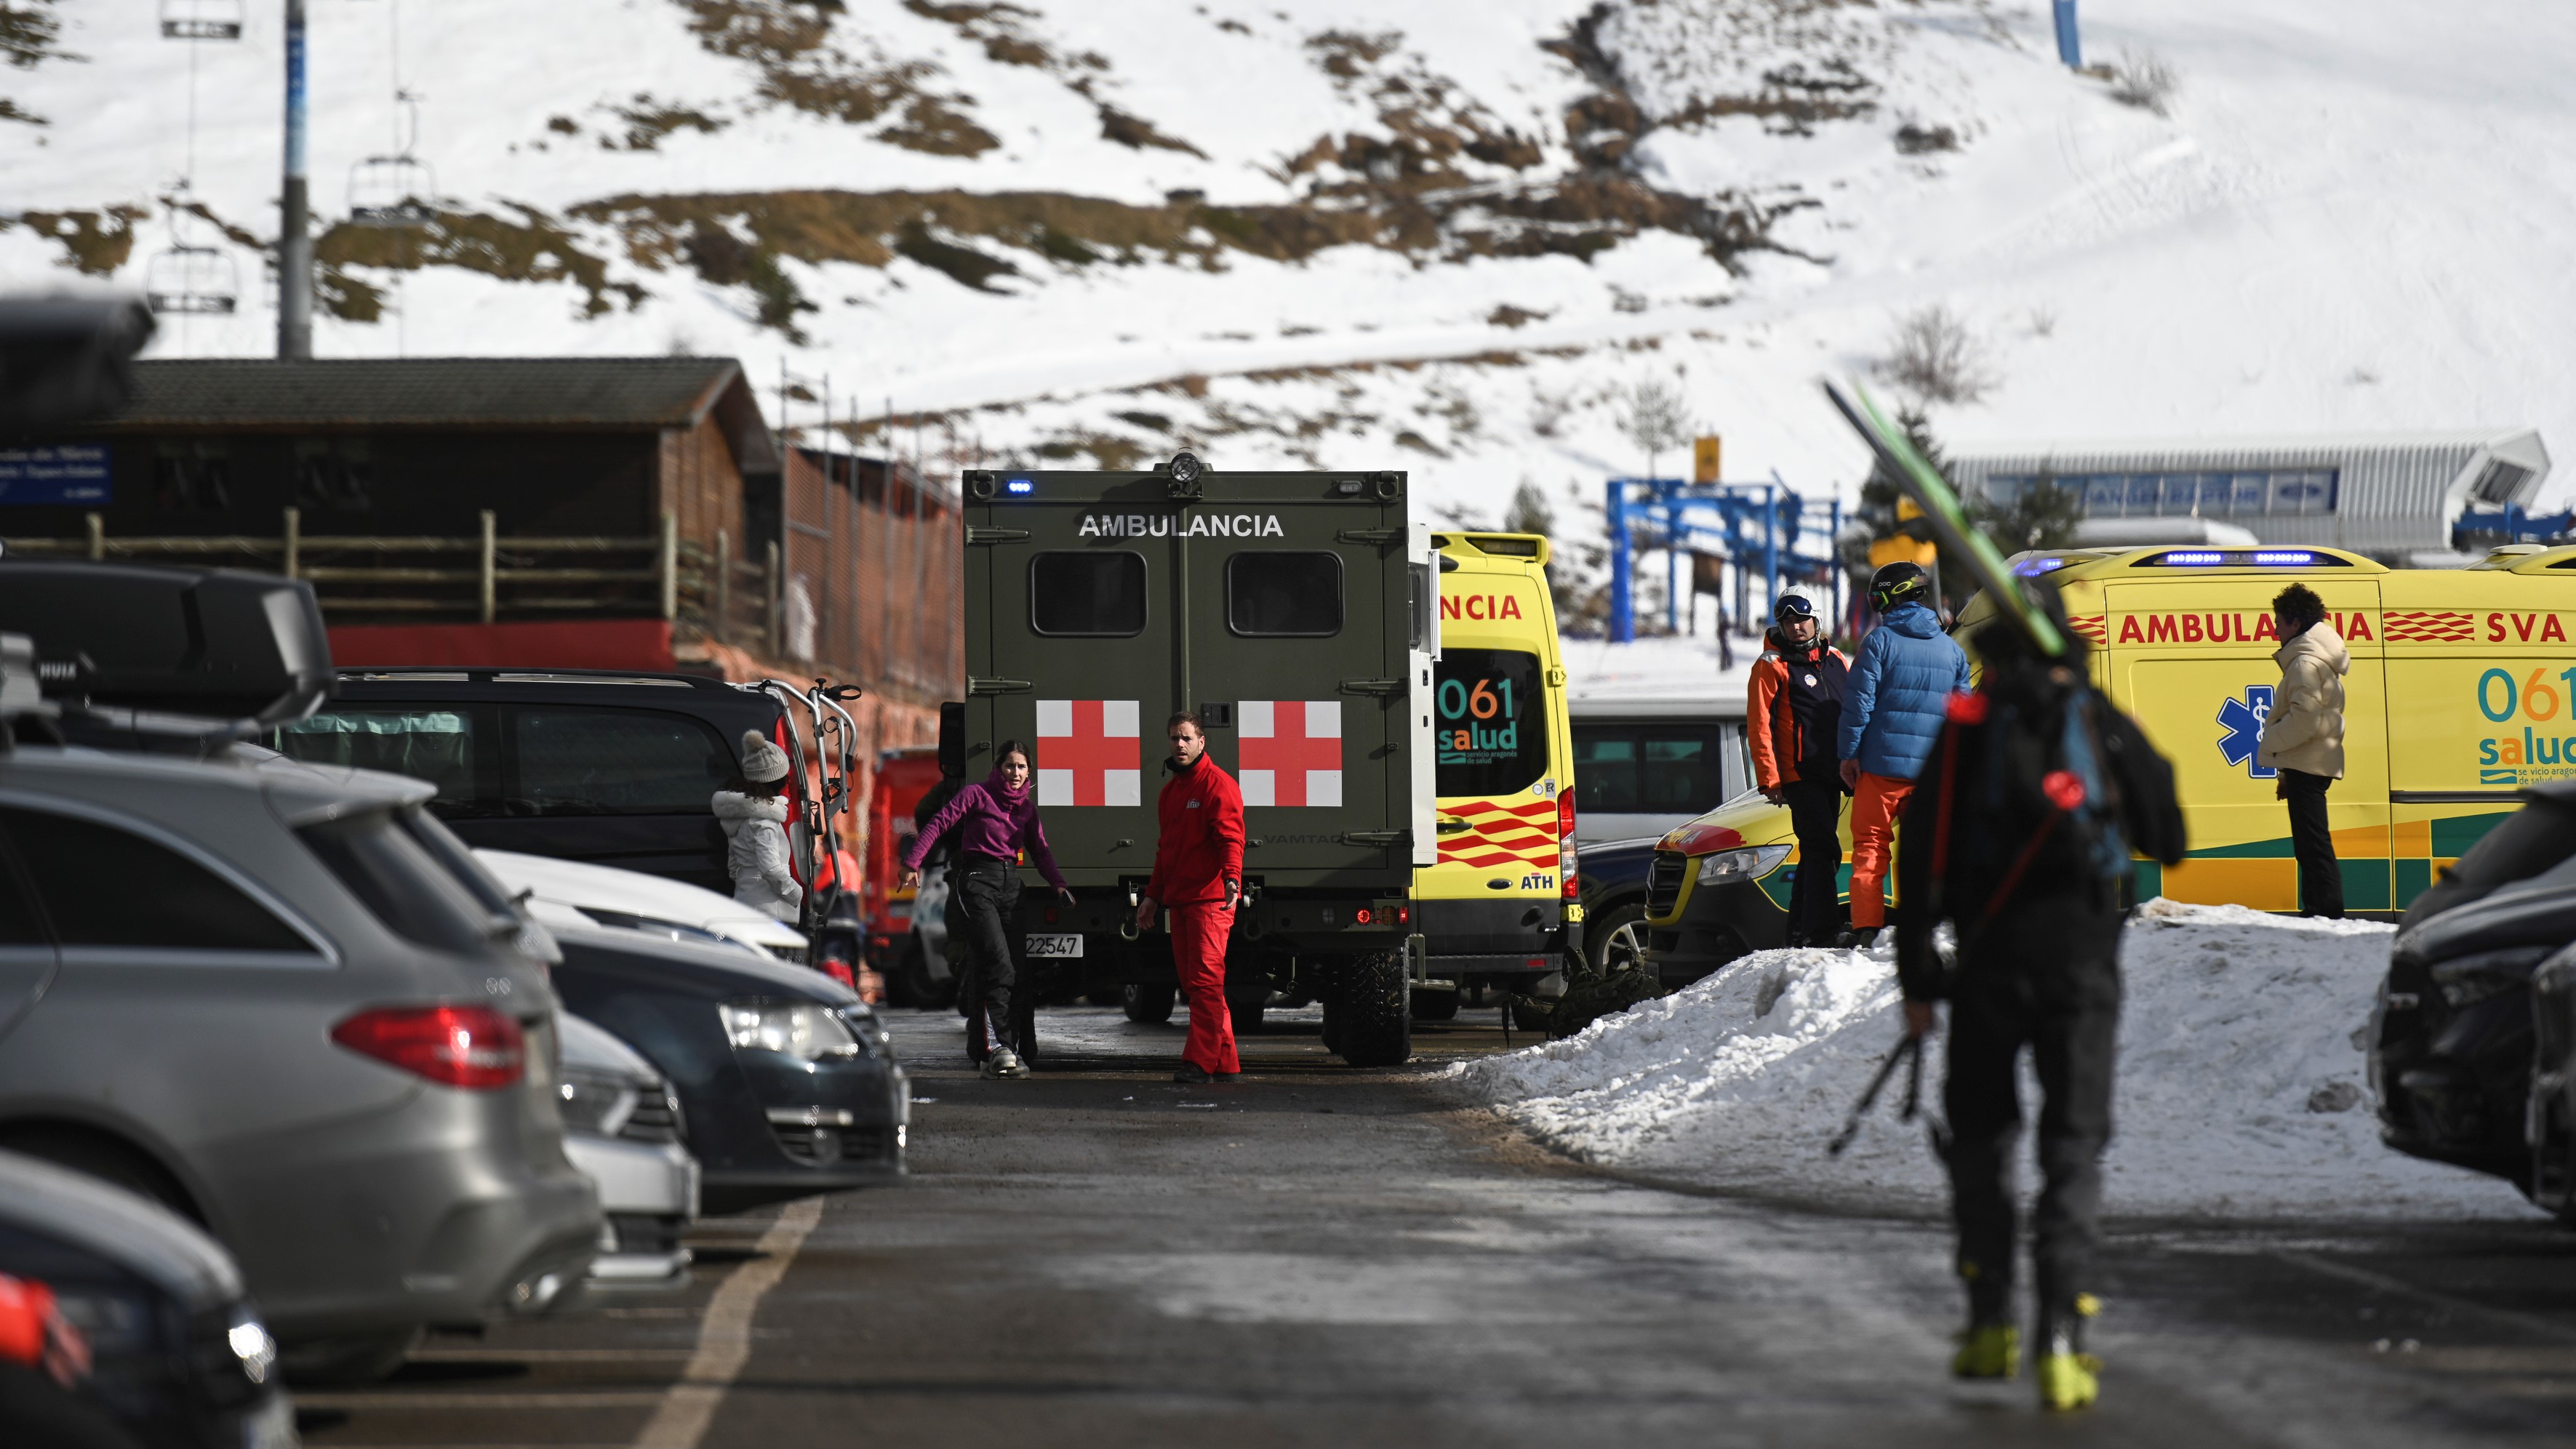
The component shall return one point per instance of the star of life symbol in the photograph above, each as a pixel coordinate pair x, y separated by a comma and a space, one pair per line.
1089, 752
2243, 721
1291, 752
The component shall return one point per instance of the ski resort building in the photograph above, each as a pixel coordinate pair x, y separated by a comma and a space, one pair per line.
2389, 493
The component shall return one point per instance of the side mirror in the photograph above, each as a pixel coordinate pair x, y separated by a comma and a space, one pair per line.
952, 740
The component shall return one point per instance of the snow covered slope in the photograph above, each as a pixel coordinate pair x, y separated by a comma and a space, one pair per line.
2240, 1091
1434, 232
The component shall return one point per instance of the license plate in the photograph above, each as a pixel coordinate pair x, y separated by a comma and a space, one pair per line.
1058, 946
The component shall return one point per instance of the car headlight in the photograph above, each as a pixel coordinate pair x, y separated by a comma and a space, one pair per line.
250, 1343
594, 1103
1752, 863
802, 1030
2467, 980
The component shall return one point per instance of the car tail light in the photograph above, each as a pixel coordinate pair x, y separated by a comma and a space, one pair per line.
1363, 915
1567, 859
458, 1046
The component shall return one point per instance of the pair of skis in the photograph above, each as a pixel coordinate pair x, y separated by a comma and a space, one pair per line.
1949, 519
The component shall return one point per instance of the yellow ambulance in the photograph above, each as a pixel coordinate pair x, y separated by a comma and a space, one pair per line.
2462, 691
1499, 904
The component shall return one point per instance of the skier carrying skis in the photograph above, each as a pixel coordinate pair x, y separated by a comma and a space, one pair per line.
2020, 835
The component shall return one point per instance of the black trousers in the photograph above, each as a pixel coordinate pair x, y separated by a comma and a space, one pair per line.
988, 894
2320, 877
1815, 813
2045, 975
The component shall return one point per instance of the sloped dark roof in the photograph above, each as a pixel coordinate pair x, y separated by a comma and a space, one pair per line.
607, 394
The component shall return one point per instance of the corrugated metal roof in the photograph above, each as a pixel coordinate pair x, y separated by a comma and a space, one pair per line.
2337, 443
516, 392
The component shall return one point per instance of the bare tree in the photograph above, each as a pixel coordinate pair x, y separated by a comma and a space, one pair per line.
1934, 356
2143, 79
1653, 417
1529, 512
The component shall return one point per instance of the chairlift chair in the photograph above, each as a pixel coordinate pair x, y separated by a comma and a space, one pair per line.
200, 280
201, 19
392, 191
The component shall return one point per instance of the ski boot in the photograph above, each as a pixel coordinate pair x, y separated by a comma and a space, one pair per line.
2069, 1378
1988, 1351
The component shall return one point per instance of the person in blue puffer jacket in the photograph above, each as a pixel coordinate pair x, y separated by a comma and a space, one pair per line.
1893, 707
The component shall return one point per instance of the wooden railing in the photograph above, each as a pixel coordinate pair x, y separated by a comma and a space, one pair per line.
486, 577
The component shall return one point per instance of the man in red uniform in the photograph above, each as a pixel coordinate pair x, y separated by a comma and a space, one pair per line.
1198, 873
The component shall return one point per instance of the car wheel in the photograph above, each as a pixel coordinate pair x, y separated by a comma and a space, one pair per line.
1376, 1001
1148, 1002
357, 1359
1616, 940
927, 991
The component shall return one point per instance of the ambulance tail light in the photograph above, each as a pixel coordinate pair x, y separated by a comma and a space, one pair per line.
1566, 858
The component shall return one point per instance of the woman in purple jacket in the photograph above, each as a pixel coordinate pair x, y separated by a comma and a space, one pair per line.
994, 821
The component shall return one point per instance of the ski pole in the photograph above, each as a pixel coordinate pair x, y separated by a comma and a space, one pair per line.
1911, 1046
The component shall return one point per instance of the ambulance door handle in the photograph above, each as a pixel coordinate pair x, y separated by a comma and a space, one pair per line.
1382, 687
998, 686
996, 535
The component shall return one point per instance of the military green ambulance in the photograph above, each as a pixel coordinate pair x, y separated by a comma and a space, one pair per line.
1298, 614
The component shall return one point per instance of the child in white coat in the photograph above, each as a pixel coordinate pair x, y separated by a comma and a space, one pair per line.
754, 817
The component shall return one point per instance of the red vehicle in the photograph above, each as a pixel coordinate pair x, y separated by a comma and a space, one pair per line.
903, 777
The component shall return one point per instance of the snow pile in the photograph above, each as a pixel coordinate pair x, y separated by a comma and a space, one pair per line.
2241, 1091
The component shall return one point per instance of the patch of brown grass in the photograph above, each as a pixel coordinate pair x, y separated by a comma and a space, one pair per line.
94, 243
534, 248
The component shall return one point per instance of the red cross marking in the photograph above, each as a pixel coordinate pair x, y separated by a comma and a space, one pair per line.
1079, 761
1285, 763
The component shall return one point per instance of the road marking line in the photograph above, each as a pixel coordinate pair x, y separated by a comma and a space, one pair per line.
724, 1336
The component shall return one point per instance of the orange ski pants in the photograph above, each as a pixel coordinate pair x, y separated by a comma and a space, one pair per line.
1875, 805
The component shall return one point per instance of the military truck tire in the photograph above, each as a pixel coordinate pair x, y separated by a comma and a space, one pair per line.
1376, 1002
921, 989
1435, 1005
1148, 1002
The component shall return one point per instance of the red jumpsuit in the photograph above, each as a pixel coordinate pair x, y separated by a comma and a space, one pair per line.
1198, 855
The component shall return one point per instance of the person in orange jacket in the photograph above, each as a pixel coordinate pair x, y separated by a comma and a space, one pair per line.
1198, 876
1795, 709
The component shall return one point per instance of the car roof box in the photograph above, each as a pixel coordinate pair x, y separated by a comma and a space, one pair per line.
170, 650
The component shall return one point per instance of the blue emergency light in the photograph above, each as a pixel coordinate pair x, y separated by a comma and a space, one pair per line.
2293, 560
1020, 485
2031, 568
2181, 559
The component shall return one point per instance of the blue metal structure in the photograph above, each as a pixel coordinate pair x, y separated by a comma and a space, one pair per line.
2512, 525
1756, 527
2070, 44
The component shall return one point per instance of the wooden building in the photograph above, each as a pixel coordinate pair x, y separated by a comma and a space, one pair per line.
622, 513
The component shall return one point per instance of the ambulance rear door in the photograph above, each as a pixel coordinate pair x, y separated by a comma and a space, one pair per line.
2191, 660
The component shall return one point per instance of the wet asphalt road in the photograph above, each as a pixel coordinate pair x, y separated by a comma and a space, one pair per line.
1315, 1255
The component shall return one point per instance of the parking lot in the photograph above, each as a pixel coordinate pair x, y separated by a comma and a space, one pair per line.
1317, 1255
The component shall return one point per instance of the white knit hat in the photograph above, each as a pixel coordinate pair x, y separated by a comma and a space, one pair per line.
762, 761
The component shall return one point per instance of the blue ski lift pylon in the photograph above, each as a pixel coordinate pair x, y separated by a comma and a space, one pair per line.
196, 280
392, 191
201, 19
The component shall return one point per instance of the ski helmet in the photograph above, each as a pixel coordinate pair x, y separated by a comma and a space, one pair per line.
1898, 583
1793, 604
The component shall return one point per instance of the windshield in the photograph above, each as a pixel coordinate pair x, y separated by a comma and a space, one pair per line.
1489, 721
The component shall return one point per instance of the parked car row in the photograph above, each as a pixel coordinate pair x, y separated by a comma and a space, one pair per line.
340, 1076
2473, 1038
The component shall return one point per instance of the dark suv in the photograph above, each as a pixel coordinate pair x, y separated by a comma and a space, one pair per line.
592, 765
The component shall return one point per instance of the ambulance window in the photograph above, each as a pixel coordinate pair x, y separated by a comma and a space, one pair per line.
1099, 595
1489, 722
1284, 594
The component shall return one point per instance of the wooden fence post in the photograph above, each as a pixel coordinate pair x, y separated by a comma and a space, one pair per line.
772, 593
294, 540
489, 582
722, 624
669, 564
97, 536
